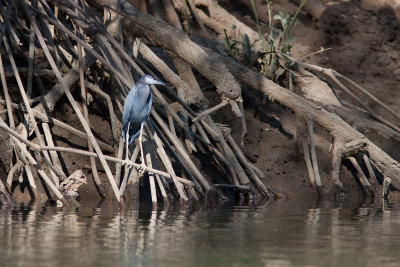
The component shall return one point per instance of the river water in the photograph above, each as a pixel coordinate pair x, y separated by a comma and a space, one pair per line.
287, 233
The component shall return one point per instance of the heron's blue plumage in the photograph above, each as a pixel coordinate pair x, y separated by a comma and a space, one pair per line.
137, 107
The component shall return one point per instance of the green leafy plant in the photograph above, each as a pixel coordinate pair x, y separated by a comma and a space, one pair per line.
279, 40
240, 48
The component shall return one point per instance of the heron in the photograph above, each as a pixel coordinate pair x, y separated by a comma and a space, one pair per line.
137, 108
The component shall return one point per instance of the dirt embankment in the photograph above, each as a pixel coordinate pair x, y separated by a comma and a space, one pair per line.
365, 46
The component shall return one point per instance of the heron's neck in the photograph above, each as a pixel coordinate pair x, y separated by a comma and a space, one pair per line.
143, 92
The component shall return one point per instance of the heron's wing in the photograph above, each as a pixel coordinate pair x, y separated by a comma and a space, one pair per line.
149, 103
139, 118
128, 105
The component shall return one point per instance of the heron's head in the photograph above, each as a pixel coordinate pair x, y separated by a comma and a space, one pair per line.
147, 79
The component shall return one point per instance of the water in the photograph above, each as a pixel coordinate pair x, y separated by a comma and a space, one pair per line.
279, 234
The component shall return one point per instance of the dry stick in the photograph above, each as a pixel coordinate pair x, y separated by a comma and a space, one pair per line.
158, 179
27, 105
132, 171
182, 162
120, 30
86, 46
211, 110
155, 8
12, 32
49, 139
30, 62
182, 152
45, 31
376, 100
54, 157
75, 106
220, 156
7, 97
65, 39
371, 172
112, 54
31, 180
56, 92
256, 170
17, 140
166, 161
96, 89
191, 190
27, 166
11, 172
187, 87
108, 57
337, 154
203, 134
47, 118
247, 165
172, 16
5, 21
217, 152
219, 19
307, 159
230, 155
119, 154
363, 179
233, 186
36, 72
386, 185
189, 141
5, 127
3, 190
373, 113
149, 163
96, 177
113, 159
244, 124
171, 124
332, 74
41, 172
197, 17
310, 127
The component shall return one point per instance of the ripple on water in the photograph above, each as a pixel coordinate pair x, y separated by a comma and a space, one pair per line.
279, 234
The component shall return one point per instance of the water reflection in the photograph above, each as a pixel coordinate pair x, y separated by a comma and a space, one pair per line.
279, 234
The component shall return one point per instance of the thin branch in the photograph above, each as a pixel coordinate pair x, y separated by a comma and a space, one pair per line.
73, 103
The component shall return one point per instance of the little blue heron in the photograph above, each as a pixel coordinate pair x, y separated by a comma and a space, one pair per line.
137, 108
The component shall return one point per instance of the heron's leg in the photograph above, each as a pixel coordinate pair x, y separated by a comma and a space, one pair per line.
127, 161
143, 166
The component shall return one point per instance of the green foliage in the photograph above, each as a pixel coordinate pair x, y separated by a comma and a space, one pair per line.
240, 48
278, 40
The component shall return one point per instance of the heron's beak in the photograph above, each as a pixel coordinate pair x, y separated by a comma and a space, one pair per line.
158, 82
